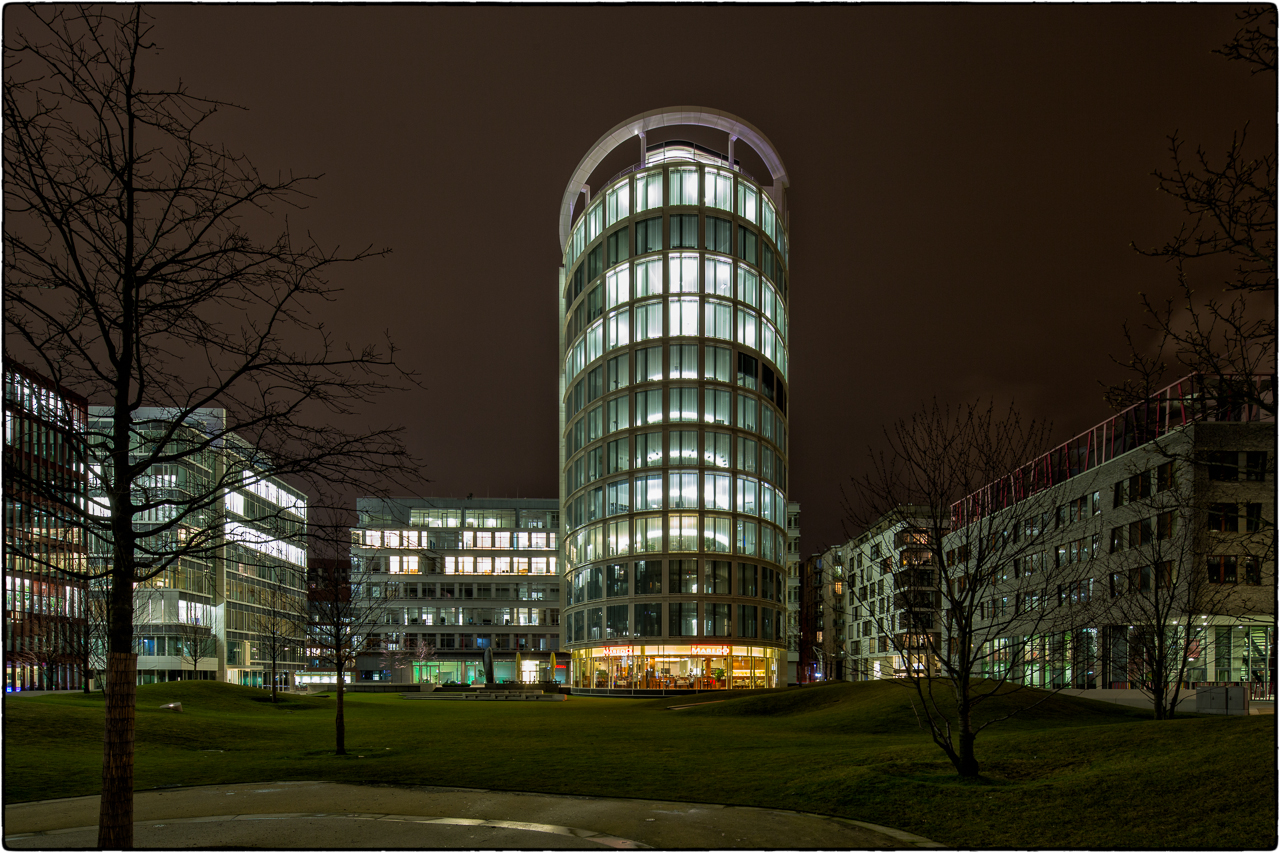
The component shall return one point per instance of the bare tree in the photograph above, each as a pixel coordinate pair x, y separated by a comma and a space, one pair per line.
1230, 208
133, 278
1182, 557
280, 625
45, 643
964, 492
343, 612
398, 652
196, 642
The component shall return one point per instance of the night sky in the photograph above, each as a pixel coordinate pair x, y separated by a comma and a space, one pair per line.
965, 183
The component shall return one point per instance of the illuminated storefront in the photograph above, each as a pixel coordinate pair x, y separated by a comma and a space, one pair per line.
677, 667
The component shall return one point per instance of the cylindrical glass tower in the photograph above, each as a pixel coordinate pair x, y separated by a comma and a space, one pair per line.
673, 416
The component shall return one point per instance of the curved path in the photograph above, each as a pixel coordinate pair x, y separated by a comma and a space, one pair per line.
284, 815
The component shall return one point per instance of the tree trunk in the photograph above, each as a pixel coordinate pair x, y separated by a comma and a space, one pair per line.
273, 682
339, 723
115, 816
966, 765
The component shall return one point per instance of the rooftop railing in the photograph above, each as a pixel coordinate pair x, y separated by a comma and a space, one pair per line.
1192, 399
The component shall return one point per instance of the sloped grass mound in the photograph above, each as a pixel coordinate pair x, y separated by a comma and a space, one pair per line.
886, 707
199, 696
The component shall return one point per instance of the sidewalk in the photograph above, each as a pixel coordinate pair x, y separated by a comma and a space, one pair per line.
308, 815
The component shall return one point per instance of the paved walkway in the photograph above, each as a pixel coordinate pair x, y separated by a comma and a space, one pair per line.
308, 815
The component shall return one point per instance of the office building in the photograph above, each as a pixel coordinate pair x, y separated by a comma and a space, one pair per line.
672, 300
439, 581
45, 626
1163, 518
212, 613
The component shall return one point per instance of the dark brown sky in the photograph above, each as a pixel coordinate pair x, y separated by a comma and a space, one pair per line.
965, 184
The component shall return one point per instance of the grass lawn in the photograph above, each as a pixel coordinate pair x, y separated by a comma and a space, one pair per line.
1068, 773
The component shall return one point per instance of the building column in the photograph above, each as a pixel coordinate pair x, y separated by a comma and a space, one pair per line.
732, 139
642, 148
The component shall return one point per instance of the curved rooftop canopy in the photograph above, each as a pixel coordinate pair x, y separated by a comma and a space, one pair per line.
666, 117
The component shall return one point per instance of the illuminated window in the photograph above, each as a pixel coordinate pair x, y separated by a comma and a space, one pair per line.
718, 320
648, 276
747, 412
618, 328
715, 494
748, 496
682, 489
748, 286
618, 203
747, 329
718, 276
683, 361
648, 321
683, 316
719, 189
715, 450
717, 363
648, 407
648, 191
682, 533
682, 447
747, 453
648, 539
748, 202
684, 186
684, 404
715, 406
595, 221
618, 538
683, 273
617, 286
648, 450
648, 364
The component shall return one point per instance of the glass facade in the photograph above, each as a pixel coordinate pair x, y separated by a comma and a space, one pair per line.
674, 429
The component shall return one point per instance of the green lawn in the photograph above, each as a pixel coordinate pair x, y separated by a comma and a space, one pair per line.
1068, 773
